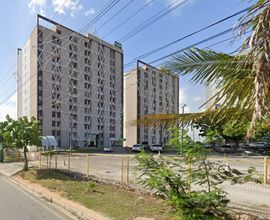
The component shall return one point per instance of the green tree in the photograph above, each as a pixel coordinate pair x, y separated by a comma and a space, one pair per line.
235, 131
20, 134
192, 184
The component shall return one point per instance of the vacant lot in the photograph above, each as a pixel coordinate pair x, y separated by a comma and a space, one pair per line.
109, 199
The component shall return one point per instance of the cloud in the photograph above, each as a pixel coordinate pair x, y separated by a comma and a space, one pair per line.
182, 96
183, 100
37, 6
9, 108
89, 12
66, 6
58, 6
197, 98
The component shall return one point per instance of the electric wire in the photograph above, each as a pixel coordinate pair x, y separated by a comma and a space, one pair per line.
189, 35
117, 13
176, 4
128, 18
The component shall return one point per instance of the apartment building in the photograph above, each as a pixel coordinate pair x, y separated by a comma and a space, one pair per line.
73, 83
148, 90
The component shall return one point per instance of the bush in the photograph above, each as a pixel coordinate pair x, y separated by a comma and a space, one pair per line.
191, 183
90, 186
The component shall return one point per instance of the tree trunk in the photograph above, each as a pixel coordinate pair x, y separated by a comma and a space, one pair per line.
25, 166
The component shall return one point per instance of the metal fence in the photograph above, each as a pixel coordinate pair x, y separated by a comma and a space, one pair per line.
120, 169
108, 168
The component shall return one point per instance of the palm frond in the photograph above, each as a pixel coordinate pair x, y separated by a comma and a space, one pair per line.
258, 43
207, 117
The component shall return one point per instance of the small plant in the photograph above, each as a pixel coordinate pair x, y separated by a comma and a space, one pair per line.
90, 186
191, 184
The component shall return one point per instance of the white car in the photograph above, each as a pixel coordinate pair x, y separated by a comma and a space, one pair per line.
156, 148
136, 148
258, 144
108, 149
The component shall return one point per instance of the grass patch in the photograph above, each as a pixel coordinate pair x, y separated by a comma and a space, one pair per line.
111, 200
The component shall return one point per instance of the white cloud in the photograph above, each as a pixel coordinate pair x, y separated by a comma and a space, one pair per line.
37, 6
183, 100
66, 6
197, 98
89, 12
9, 108
59, 6
182, 97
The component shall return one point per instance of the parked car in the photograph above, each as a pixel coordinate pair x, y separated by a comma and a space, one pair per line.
108, 149
257, 148
137, 148
156, 148
258, 144
225, 149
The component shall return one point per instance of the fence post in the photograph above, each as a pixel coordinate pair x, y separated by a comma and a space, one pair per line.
55, 155
69, 162
47, 161
127, 170
87, 166
265, 176
188, 167
40, 160
122, 171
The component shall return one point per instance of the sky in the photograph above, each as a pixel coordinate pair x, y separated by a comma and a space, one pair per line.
18, 18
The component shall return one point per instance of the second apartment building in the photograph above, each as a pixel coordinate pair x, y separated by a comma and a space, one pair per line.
148, 90
73, 84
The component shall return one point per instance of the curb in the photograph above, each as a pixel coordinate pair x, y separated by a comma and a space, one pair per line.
73, 213
252, 211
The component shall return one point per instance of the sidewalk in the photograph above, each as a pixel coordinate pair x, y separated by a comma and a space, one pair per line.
76, 210
10, 169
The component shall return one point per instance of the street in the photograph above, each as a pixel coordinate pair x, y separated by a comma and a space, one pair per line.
16, 204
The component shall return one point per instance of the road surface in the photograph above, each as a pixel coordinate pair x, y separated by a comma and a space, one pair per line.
17, 204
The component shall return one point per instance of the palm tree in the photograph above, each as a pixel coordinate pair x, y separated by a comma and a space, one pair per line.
243, 79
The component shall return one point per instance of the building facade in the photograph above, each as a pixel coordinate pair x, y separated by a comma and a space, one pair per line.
148, 90
73, 84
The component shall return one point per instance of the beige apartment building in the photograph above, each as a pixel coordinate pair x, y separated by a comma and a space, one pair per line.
148, 90
73, 84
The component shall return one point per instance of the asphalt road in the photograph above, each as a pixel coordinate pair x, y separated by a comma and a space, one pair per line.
16, 204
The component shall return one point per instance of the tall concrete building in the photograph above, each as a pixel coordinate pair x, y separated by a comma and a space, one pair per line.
73, 84
148, 90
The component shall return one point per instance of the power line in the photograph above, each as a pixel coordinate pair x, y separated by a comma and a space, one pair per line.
128, 18
118, 12
193, 45
37, 37
189, 35
107, 8
153, 19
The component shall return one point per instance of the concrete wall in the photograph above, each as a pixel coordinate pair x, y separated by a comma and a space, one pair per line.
130, 108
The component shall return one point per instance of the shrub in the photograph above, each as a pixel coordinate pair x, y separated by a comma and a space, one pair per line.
191, 184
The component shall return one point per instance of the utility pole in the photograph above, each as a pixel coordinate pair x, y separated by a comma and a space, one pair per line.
70, 132
183, 112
